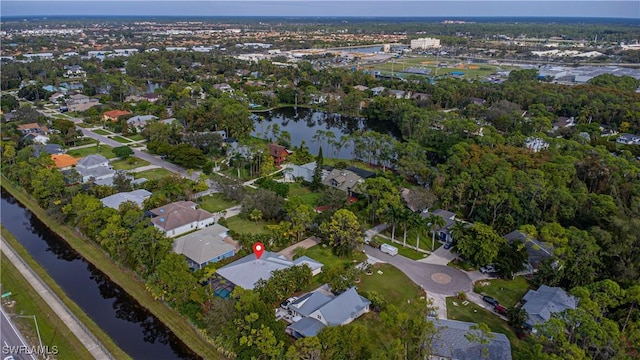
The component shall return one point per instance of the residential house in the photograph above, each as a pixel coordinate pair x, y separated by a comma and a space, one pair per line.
399, 94
246, 272
449, 217
74, 71
304, 172
542, 303
279, 153
51, 149
361, 87
80, 102
564, 122
536, 251
313, 311
33, 128
150, 97
205, 246
224, 87
420, 96
535, 144
628, 139
114, 114
450, 342
136, 196
180, 217
140, 122
95, 168
347, 179
64, 161
378, 90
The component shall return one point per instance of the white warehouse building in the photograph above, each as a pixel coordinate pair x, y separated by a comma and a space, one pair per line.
425, 43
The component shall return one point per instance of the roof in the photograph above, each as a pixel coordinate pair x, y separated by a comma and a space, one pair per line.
96, 172
309, 303
542, 303
343, 307
365, 174
178, 214
342, 179
29, 126
276, 150
92, 160
448, 216
307, 327
53, 149
141, 119
64, 160
536, 251
115, 113
245, 272
137, 196
206, 244
451, 343
303, 171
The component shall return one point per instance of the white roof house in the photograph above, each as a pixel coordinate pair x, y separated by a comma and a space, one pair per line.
95, 167
137, 196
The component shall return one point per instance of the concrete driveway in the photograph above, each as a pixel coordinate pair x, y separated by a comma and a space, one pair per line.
439, 279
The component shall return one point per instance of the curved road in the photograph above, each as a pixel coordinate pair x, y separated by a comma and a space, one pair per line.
439, 279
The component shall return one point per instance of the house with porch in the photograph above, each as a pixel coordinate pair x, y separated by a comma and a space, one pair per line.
180, 217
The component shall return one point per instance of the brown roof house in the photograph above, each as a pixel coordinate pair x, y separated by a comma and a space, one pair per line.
180, 217
114, 114
279, 153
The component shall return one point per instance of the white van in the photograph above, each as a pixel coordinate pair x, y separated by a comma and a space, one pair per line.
391, 250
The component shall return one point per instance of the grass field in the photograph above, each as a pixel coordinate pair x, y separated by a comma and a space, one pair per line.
240, 225
53, 331
152, 174
104, 150
128, 164
102, 132
329, 260
412, 236
123, 278
121, 140
475, 314
507, 292
393, 285
406, 252
214, 203
307, 196
135, 137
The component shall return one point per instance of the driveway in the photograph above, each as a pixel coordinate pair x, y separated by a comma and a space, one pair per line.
441, 256
439, 279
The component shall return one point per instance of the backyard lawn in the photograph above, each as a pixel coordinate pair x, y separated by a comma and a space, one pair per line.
129, 163
507, 292
404, 251
214, 203
240, 225
104, 150
329, 260
307, 196
153, 174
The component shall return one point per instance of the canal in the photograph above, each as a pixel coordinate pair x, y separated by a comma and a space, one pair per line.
303, 124
132, 327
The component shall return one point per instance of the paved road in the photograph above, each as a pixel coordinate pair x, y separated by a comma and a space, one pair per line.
77, 328
439, 279
13, 343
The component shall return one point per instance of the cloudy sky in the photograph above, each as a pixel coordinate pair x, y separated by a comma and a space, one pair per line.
426, 8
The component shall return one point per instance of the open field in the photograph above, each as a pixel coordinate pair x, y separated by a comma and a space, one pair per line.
507, 292
124, 278
153, 174
240, 225
214, 203
29, 302
128, 164
307, 196
103, 150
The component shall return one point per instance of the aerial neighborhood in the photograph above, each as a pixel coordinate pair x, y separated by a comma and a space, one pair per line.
340, 190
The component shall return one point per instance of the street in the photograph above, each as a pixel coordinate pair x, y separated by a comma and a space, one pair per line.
13, 343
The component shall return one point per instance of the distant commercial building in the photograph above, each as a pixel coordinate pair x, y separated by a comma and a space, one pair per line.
425, 43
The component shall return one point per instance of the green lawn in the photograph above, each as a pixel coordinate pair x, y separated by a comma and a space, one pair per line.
393, 285
214, 203
507, 292
243, 226
307, 196
128, 164
329, 260
404, 251
85, 125
412, 236
462, 265
135, 137
104, 150
102, 132
121, 140
475, 314
153, 174
28, 302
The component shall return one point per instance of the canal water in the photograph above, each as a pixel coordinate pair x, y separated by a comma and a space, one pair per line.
132, 327
303, 124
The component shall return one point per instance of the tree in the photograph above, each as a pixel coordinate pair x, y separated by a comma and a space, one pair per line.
316, 182
517, 317
174, 282
344, 342
412, 328
480, 244
307, 348
436, 223
481, 335
122, 152
381, 194
301, 218
342, 232
255, 215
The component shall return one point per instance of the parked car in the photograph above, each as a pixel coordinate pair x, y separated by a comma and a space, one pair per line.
285, 304
489, 300
448, 245
500, 309
488, 269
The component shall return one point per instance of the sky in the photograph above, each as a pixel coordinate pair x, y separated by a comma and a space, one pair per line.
368, 8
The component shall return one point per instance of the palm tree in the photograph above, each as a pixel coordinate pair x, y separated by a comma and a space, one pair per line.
393, 215
435, 223
458, 230
420, 224
404, 217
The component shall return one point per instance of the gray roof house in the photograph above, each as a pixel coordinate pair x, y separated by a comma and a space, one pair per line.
450, 343
140, 121
628, 139
95, 167
304, 172
317, 310
536, 251
52, 149
542, 303
180, 217
208, 245
343, 179
449, 219
246, 272
137, 196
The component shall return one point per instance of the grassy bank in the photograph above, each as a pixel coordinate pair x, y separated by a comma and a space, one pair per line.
29, 299
53, 331
123, 277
